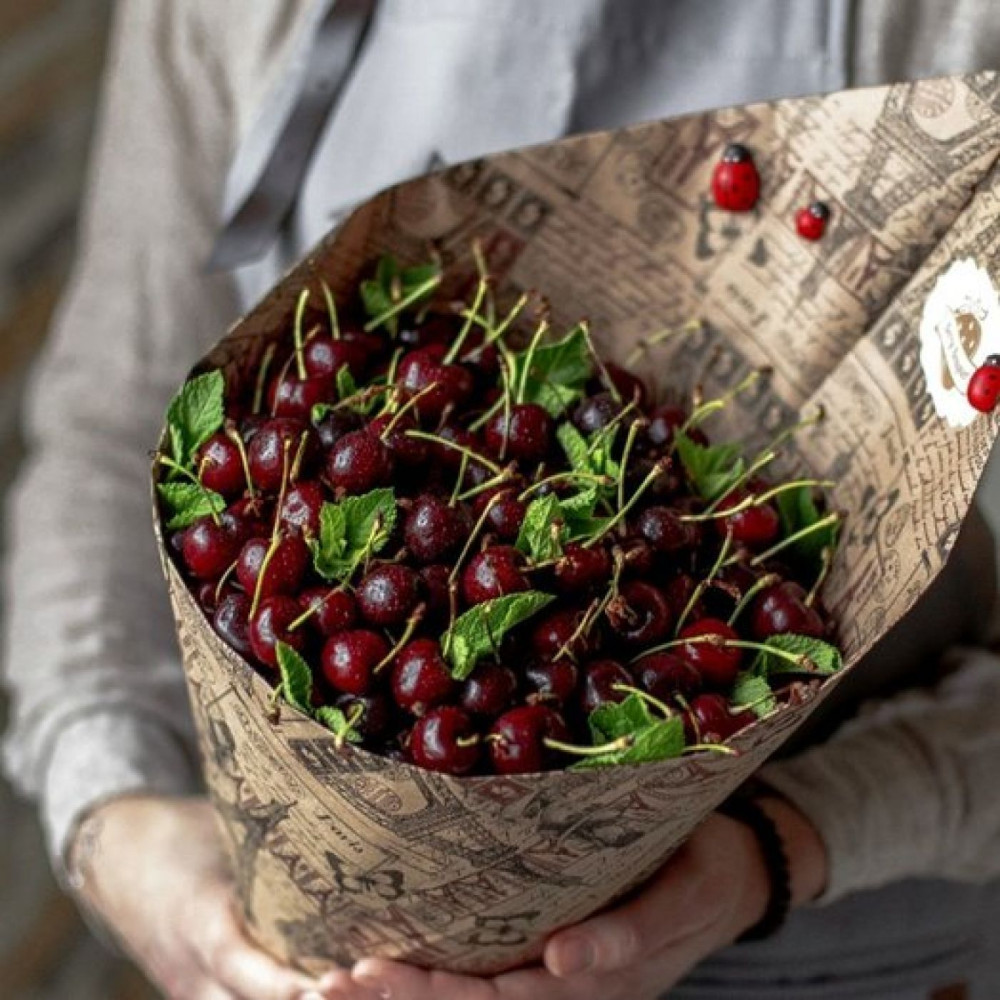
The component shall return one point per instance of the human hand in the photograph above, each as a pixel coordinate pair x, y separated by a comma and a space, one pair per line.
713, 889
154, 871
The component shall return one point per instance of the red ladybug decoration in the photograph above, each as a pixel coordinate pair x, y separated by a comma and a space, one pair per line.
735, 181
810, 223
984, 386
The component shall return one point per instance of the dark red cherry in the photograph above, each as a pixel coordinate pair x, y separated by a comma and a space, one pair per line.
594, 413
295, 397
270, 625
267, 450
552, 680
208, 595
664, 529
452, 458
782, 608
601, 679
350, 658
810, 222
630, 387
444, 740
755, 526
506, 512
717, 664
711, 720
371, 713
582, 567
517, 739
209, 548
220, 467
300, 510
551, 634
336, 609
440, 386
231, 622
405, 450
488, 689
420, 677
335, 425
984, 386
434, 529
388, 594
492, 574
436, 587
665, 676
641, 614
679, 592
523, 434
735, 181
664, 423
285, 568
359, 462
323, 355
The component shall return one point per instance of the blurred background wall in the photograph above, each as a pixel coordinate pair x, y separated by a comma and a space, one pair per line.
51, 53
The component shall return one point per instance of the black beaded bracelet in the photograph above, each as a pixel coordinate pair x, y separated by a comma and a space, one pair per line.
749, 812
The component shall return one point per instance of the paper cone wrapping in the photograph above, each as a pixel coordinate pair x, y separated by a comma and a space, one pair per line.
339, 853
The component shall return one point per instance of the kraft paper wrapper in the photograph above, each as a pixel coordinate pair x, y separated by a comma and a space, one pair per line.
339, 853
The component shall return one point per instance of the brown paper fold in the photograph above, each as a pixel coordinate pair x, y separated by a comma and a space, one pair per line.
339, 853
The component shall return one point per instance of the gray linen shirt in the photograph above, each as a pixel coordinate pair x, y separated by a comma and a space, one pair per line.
194, 94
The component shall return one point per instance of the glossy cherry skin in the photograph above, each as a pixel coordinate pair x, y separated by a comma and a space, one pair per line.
524, 434
493, 573
436, 586
735, 181
782, 608
629, 386
984, 386
335, 425
209, 548
295, 397
285, 568
443, 740
392, 431
755, 526
717, 665
663, 528
359, 462
642, 614
336, 610
552, 680
323, 355
517, 739
551, 634
435, 530
594, 413
349, 660
488, 690
582, 567
710, 720
388, 594
300, 510
506, 511
440, 386
231, 622
270, 625
267, 450
810, 222
373, 712
601, 679
220, 467
664, 676
420, 677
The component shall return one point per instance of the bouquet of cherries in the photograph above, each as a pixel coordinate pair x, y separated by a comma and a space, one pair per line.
461, 539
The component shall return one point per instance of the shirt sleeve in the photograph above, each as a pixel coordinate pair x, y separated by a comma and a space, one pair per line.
98, 701
908, 788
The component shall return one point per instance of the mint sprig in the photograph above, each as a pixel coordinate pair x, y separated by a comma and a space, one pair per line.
188, 502
542, 530
797, 510
195, 414
713, 469
651, 738
554, 375
296, 678
816, 656
384, 294
752, 690
351, 531
337, 722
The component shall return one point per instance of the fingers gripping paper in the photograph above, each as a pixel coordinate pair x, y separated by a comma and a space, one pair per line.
339, 853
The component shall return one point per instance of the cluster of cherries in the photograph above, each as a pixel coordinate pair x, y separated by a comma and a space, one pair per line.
464, 461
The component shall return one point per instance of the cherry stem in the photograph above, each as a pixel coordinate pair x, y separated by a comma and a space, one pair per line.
300, 308
754, 500
456, 347
827, 561
225, 576
299, 456
468, 741
608, 431
568, 477
769, 579
236, 438
799, 660
713, 748
824, 522
477, 527
459, 479
206, 492
508, 368
418, 293
633, 431
625, 742
606, 380
529, 357
661, 706
361, 396
286, 445
258, 392
314, 608
331, 308
412, 624
408, 405
658, 469
654, 339
505, 476
455, 446
268, 556
703, 584
586, 622
714, 405
484, 418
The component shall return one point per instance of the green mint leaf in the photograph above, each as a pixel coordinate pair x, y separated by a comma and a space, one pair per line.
346, 386
195, 414
823, 659
319, 411
558, 373
296, 678
335, 720
540, 537
658, 741
386, 271
579, 522
575, 446
797, 509
413, 278
188, 502
752, 691
623, 718
477, 633
713, 469
352, 530
374, 298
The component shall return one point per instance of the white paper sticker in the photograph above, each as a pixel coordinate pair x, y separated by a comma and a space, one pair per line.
959, 330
